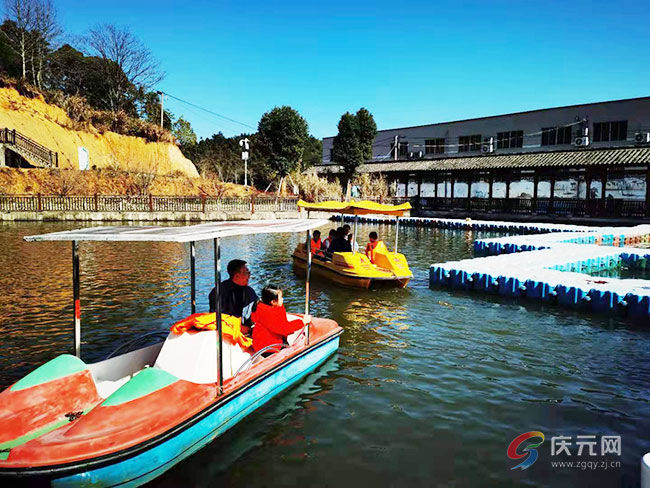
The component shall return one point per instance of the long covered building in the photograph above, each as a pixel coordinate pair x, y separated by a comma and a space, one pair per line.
590, 160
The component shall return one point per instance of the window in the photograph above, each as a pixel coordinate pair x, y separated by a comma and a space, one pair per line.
564, 135
434, 146
469, 143
610, 131
506, 140
556, 135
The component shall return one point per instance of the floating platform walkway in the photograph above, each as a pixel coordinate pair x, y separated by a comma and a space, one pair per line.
468, 224
559, 267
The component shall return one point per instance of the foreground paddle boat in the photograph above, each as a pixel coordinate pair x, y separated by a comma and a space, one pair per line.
355, 268
126, 420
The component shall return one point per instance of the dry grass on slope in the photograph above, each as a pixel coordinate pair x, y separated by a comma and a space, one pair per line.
111, 182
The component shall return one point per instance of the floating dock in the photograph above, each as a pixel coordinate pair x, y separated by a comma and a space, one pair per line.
468, 224
559, 267
555, 263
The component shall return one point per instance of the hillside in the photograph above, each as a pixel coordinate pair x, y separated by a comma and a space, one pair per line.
50, 126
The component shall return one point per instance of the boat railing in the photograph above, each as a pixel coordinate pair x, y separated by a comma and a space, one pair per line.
141, 338
251, 360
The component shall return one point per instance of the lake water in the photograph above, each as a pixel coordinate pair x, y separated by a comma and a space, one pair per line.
429, 387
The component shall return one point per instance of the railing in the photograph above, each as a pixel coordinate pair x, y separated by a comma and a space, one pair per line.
144, 203
607, 208
39, 152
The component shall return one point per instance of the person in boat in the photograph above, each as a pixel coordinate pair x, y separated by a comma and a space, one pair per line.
237, 298
350, 237
326, 242
373, 242
271, 323
316, 243
340, 243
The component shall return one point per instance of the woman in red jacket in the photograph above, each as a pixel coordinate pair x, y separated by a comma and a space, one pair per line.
270, 319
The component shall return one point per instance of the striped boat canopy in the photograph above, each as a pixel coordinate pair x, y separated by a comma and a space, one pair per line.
362, 207
189, 233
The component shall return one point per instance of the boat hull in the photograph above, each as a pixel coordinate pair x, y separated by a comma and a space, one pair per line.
323, 271
141, 464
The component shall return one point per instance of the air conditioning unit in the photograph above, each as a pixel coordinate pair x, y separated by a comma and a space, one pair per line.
488, 146
642, 137
581, 141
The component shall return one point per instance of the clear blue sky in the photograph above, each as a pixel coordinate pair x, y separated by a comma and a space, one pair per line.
409, 63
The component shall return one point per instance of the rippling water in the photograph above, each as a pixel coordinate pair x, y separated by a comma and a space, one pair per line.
428, 388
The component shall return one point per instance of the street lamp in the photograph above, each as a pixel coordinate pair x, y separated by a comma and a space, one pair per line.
244, 144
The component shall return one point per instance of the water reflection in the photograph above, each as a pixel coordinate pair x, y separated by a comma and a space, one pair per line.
427, 385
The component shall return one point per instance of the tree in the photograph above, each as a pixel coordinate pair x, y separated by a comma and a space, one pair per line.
367, 132
282, 135
46, 30
30, 29
185, 136
130, 65
22, 14
10, 61
313, 153
346, 149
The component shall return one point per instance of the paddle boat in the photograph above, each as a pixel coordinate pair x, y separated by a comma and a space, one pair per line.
127, 419
354, 268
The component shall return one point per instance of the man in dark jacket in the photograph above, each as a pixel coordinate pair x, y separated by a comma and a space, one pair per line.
340, 243
237, 298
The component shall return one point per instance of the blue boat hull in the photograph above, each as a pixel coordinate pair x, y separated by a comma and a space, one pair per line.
145, 466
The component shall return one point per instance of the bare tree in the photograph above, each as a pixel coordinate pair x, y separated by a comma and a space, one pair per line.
22, 13
129, 62
34, 28
46, 30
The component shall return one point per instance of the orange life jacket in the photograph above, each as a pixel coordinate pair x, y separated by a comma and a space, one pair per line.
370, 250
315, 246
230, 327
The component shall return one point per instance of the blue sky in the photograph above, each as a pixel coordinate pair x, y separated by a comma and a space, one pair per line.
409, 63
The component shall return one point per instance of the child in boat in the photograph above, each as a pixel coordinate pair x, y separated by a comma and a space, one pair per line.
326, 243
316, 243
270, 318
370, 247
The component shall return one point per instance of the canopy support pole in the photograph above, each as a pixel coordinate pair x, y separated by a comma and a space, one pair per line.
217, 308
396, 232
354, 236
75, 297
193, 275
307, 280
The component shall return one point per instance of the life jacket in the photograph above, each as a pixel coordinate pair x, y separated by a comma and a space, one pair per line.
230, 327
315, 246
370, 250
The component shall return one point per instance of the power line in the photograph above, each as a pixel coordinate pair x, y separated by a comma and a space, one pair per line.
210, 111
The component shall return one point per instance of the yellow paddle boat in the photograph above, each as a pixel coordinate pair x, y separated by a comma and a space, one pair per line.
355, 268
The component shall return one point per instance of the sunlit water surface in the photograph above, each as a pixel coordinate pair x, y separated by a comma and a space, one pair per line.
428, 387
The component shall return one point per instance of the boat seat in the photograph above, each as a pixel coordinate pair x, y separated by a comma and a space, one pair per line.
106, 388
192, 356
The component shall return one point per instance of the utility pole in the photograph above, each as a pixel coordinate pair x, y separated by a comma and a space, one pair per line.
244, 144
395, 144
162, 110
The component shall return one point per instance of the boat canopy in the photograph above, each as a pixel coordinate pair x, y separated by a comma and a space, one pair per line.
190, 233
361, 207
